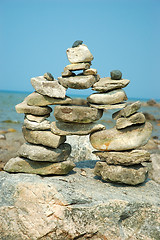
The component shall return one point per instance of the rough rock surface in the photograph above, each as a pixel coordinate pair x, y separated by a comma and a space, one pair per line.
90, 71
127, 111
77, 206
137, 118
48, 76
23, 107
113, 106
120, 140
77, 66
44, 125
37, 119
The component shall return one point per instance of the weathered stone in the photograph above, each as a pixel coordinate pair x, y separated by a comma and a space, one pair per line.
124, 158
25, 165
107, 84
77, 114
79, 54
137, 118
67, 73
77, 43
37, 119
48, 88
45, 154
45, 138
48, 76
116, 75
77, 206
127, 111
38, 99
124, 139
23, 107
90, 71
77, 66
112, 97
62, 128
107, 107
131, 175
44, 125
78, 82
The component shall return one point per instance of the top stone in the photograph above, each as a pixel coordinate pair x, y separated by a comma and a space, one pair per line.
77, 43
48, 76
116, 75
79, 54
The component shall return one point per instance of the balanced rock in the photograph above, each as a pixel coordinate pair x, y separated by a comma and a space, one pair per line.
79, 54
44, 125
78, 82
67, 73
108, 106
77, 43
46, 138
112, 97
107, 84
77, 66
48, 88
90, 71
124, 158
45, 154
25, 165
48, 76
137, 118
127, 111
23, 107
77, 114
38, 99
116, 74
120, 140
63, 128
37, 119
131, 175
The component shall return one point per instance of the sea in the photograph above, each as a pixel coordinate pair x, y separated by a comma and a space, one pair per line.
11, 120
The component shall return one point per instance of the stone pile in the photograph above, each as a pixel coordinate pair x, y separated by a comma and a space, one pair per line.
44, 153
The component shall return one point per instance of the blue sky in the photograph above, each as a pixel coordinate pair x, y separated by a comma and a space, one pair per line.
121, 34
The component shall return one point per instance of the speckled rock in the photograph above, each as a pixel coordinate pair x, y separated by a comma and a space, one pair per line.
23, 107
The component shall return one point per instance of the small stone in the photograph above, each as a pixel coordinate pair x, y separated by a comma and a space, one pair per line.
107, 107
77, 114
107, 84
23, 107
67, 73
48, 76
45, 138
45, 154
42, 168
37, 119
124, 158
127, 111
112, 97
131, 175
48, 88
116, 75
137, 118
77, 43
77, 66
90, 71
78, 82
37, 99
120, 140
62, 128
79, 54
44, 125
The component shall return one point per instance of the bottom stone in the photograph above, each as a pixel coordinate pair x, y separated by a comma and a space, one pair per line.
15, 165
131, 175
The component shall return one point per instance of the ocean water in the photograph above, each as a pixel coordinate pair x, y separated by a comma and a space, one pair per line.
9, 118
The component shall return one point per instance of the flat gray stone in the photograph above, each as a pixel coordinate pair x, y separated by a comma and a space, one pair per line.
48, 88
127, 111
79, 54
62, 128
45, 138
120, 140
107, 84
137, 118
78, 82
45, 154
24, 165
112, 97
37, 119
124, 158
23, 107
116, 74
77, 114
77, 66
131, 175
48, 76
90, 71
37, 99
44, 125
107, 107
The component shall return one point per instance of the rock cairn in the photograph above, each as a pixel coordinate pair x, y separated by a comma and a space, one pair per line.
45, 152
